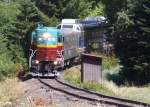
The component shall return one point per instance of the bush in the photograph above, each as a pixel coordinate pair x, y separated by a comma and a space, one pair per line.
11, 59
7, 67
109, 62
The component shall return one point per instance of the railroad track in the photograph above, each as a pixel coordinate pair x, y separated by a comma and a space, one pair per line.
59, 85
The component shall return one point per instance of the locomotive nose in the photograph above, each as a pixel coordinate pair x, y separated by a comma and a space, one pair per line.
46, 54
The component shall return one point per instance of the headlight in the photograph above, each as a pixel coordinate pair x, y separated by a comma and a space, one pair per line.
35, 62
55, 62
46, 36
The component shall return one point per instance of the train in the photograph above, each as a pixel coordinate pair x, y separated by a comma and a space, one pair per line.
53, 48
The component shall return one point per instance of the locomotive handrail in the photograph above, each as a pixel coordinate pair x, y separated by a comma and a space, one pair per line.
61, 55
32, 54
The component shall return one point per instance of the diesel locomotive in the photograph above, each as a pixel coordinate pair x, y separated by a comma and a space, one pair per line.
52, 48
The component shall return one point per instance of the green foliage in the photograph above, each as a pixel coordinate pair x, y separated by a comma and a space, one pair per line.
7, 66
142, 17
8, 13
94, 86
112, 7
73, 76
97, 11
132, 41
20, 17
109, 62
14, 40
3, 44
65, 8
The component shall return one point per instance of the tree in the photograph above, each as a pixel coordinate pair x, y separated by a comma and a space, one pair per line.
112, 7
142, 17
97, 11
132, 40
65, 8
142, 26
18, 30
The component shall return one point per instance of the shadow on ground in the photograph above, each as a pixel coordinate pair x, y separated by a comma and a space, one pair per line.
25, 77
29, 76
22, 76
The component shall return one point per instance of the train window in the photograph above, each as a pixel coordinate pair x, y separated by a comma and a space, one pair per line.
67, 26
60, 38
78, 28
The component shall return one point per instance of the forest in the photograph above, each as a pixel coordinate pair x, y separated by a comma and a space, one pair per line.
129, 28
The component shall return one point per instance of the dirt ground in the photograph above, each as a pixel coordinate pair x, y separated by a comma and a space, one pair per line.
38, 95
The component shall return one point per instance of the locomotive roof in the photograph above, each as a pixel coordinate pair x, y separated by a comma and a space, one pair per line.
48, 28
42, 29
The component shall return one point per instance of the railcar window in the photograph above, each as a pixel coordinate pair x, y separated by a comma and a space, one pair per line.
78, 28
68, 26
63, 39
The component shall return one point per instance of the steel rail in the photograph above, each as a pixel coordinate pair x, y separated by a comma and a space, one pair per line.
102, 95
104, 99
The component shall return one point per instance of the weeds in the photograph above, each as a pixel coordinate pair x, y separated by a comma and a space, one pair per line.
94, 86
109, 62
73, 77
109, 88
133, 93
9, 90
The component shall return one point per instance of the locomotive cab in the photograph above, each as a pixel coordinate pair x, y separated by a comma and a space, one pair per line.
46, 51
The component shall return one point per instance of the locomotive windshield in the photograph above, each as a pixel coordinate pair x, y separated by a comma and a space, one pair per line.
47, 39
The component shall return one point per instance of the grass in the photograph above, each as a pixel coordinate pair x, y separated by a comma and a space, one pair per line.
134, 93
12, 94
73, 76
9, 91
109, 62
142, 94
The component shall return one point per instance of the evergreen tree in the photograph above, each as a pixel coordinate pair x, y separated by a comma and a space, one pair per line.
142, 25
142, 16
98, 10
112, 7
3, 44
18, 31
132, 41
65, 8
